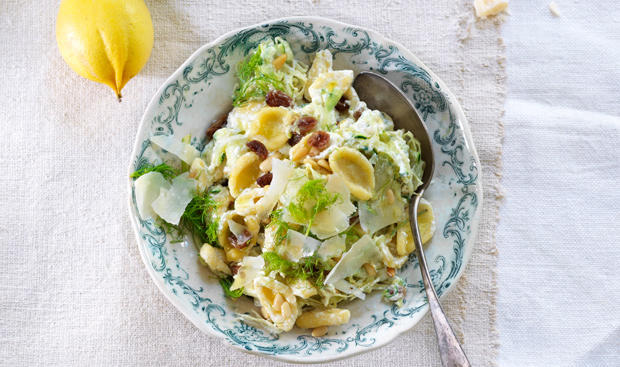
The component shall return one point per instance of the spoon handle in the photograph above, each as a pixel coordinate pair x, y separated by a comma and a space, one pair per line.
450, 349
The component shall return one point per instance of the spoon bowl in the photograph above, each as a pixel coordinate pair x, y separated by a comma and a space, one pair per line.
380, 94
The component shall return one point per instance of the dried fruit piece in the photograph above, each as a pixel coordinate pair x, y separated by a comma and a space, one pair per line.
240, 242
295, 138
305, 124
357, 114
258, 148
276, 98
319, 140
265, 179
342, 105
216, 125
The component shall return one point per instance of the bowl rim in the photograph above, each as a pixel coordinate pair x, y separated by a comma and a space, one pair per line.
462, 122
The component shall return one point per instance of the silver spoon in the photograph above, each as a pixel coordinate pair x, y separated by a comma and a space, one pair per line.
380, 94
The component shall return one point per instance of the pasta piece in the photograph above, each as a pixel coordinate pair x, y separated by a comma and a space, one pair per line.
244, 173
245, 204
321, 64
271, 127
328, 317
278, 301
250, 268
303, 288
330, 86
198, 171
238, 248
356, 170
214, 258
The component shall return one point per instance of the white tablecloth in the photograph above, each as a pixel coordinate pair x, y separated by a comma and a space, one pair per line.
559, 233
73, 290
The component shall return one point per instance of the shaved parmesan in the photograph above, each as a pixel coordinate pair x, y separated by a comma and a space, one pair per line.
236, 228
281, 171
485, 8
335, 218
377, 214
348, 288
171, 202
363, 251
555, 10
147, 188
332, 247
186, 152
298, 245
251, 268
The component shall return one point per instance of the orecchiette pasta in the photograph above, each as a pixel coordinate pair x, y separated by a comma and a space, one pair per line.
214, 258
198, 171
278, 302
322, 63
271, 127
244, 173
245, 204
327, 317
236, 252
356, 171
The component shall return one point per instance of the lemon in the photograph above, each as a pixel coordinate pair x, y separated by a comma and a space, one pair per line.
426, 220
107, 41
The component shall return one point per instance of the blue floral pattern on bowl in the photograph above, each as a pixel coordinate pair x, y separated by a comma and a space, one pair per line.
200, 90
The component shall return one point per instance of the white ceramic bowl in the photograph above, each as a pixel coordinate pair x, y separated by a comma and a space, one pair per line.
200, 90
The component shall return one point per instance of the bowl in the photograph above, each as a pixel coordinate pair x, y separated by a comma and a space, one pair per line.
200, 90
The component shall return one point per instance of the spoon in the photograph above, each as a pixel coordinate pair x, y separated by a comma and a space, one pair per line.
380, 94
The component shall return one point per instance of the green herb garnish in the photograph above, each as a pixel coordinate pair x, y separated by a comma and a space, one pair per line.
281, 227
254, 82
311, 199
308, 268
167, 171
226, 283
199, 218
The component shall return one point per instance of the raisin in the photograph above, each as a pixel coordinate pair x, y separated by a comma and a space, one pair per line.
258, 148
234, 268
265, 179
354, 219
357, 114
294, 139
276, 98
216, 125
242, 241
306, 124
319, 140
342, 105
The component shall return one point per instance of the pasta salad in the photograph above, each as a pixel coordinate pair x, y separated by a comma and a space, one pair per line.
299, 198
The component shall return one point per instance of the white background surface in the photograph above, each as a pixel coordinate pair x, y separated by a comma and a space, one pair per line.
559, 232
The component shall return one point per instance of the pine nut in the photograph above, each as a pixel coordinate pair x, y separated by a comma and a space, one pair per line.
279, 61
312, 163
278, 301
389, 196
265, 165
263, 311
391, 271
299, 151
370, 269
319, 331
314, 151
285, 310
323, 163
